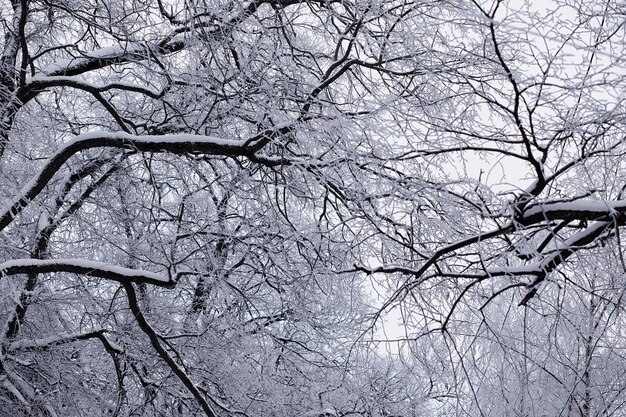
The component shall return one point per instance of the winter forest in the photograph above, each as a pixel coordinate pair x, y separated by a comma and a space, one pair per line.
314, 208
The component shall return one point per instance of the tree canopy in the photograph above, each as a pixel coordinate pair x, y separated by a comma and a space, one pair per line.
312, 208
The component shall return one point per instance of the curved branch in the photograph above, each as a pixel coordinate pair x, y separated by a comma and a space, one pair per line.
39, 83
572, 245
438, 254
85, 267
56, 340
117, 54
176, 144
175, 41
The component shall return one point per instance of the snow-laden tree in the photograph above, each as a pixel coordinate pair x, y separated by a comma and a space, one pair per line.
199, 194
510, 247
182, 189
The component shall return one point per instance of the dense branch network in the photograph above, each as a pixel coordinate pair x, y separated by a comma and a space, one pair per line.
202, 199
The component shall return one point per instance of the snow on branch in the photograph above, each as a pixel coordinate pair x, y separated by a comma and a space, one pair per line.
606, 217
567, 248
175, 41
579, 210
84, 267
39, 82
117, 54
176, 144
61, 339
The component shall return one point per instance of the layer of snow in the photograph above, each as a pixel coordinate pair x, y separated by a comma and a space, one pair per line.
111, 52
73, 80
84, 266
580, 206
156, 139
46, 341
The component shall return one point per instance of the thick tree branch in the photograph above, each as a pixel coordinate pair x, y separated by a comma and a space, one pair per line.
176, 41
572, 210
156, 344
176, 144
39, 83
56, 340
84, 267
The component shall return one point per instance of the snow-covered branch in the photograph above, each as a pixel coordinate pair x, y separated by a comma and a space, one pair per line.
130, 51
84, 267
572, 210
176, 144
40, 82
59, 339
170, 43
